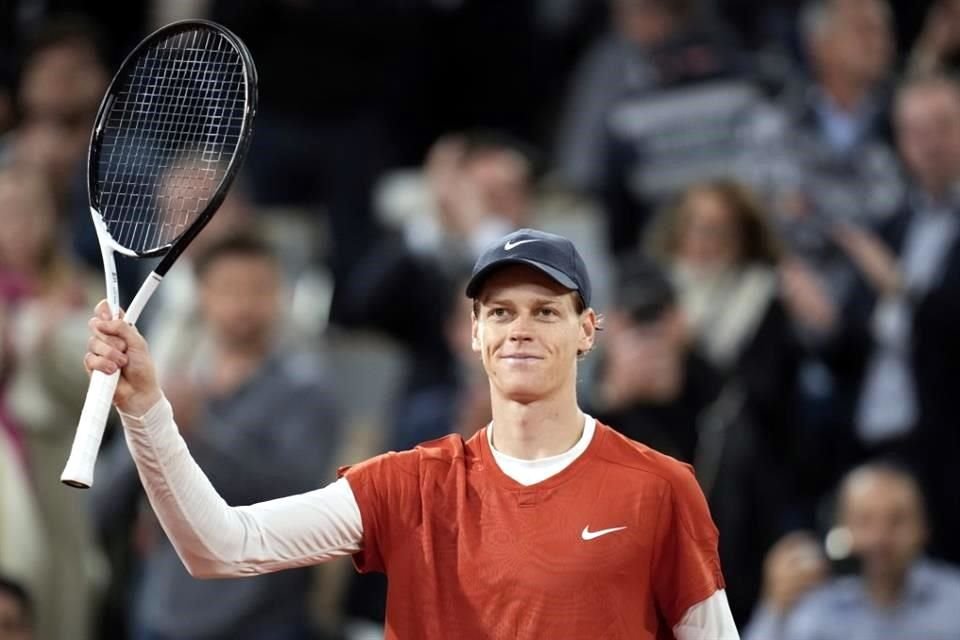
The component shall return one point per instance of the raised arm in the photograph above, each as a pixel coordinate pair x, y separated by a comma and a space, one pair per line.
212, 538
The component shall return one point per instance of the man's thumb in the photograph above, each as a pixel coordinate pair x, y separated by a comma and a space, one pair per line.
103, 310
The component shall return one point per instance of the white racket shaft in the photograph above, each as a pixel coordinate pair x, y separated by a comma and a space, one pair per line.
78, 471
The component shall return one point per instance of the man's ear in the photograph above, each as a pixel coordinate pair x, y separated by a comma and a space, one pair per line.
474, 333
588, 330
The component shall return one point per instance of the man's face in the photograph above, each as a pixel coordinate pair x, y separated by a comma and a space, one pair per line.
59, 95
14, 624
884, 516
858, 44
240, 298
928, 134
528, 333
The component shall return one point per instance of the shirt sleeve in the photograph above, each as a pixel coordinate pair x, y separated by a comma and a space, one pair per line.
384, 487
214, 539
686, 567
708, 620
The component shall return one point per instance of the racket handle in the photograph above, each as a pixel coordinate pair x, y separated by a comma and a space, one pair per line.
78, 471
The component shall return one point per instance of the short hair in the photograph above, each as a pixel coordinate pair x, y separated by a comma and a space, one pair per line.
243, 244
817, 15
20, 595
887, 467
477, 142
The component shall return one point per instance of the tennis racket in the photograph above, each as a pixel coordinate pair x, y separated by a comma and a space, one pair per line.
169, 138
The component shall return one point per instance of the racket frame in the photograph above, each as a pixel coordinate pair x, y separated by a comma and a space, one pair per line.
79, 469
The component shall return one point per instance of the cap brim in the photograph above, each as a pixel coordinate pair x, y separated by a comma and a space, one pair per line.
476, 282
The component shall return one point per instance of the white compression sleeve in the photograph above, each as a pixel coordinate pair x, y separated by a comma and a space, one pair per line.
214, 539
708, 620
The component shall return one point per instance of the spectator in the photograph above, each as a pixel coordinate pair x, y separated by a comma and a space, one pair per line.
173, 310
624, 59
62, 81
896, 357
740, 297
63, 77
22, 541
682, 125
896, 593
482, 185
259, 417
821, 155
16, 611
479, 186
43, 297
659, 392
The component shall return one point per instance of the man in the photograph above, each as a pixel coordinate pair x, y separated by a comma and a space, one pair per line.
16, 611
257, 412
897, 594
896, 359
545, 524
821, 155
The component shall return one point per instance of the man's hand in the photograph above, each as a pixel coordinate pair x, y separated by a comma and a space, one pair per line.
115, 345
874, 259
806, 297
794, 566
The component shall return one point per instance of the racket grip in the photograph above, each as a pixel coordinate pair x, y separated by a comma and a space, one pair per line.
78, 471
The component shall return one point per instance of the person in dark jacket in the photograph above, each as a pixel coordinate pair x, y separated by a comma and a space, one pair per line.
659, 392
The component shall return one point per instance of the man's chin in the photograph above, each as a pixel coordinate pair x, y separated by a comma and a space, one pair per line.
523, 394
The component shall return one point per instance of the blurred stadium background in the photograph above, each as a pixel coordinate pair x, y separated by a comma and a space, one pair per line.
765, 192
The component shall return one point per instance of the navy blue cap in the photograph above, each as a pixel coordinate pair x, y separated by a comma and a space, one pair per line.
552, 254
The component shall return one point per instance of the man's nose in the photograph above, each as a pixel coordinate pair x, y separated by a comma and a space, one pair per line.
520, 330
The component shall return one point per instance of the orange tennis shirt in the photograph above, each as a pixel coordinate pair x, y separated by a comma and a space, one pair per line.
619, 544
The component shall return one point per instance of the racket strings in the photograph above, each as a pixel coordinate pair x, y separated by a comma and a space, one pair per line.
168, 137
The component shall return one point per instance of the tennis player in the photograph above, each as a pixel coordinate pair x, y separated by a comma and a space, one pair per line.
545, 524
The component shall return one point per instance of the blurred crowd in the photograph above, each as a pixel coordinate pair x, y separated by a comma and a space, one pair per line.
766, 193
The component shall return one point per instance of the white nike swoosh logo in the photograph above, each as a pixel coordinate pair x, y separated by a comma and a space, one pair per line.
517, 243
586, 534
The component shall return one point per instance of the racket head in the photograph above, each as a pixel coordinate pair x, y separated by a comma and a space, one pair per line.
170, 136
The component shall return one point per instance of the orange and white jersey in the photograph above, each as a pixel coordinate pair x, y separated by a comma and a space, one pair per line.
618, 544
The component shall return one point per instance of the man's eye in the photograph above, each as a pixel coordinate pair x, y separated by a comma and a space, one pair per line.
546, 311
498, 312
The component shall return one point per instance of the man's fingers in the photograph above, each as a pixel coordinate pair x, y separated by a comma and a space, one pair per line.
102, 310
93, 362
116, 327
105, 350
117, 343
